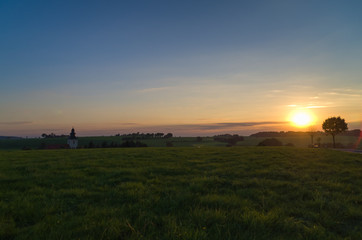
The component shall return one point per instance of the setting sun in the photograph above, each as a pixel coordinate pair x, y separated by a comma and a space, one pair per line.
301, 119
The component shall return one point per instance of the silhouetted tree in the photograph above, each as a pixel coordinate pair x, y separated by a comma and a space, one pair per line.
128, 144
91, 144
312, 132
42, 145
231, 140
199, 139
52, 135
104, 144
168, 135
270, 142
334, 126
159, 135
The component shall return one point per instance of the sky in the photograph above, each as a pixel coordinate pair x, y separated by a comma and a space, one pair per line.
186, 67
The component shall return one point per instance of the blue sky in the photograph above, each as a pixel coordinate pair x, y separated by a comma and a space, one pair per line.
103, 66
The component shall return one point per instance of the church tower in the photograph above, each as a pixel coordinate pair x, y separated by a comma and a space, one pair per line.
72, 140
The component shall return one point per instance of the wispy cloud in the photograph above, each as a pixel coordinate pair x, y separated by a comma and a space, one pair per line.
276, 91
316, 107
310, 106
129, 124
347, 94
16, 123
233, 125
204, 129
148, 90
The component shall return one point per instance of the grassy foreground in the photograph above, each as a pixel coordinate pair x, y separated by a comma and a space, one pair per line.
181, 193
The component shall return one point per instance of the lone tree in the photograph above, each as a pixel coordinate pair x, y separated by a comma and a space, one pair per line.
333, 126
312, 131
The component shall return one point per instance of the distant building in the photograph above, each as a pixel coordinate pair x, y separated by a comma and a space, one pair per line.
72, 140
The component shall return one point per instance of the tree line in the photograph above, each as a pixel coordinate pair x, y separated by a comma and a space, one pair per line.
53, 135
125, 144
138, 135
271, 134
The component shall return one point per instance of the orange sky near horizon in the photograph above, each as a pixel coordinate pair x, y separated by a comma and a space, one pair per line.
186, 67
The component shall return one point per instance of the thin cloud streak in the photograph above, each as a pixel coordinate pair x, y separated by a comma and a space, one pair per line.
222, 126
201, 129
316, 107
343, 94
129, 124
16, 123
147, 90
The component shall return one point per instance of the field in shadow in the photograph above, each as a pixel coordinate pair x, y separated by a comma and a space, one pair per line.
181, 193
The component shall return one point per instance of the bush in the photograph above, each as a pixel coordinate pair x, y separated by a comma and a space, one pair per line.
91, 144
128, 144
330, 145
270, 142
231, 140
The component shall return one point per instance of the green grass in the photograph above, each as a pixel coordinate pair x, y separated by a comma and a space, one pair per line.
181, 193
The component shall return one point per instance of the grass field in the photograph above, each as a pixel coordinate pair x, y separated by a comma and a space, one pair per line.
181, 193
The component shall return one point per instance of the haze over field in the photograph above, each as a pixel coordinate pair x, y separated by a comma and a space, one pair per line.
190, 67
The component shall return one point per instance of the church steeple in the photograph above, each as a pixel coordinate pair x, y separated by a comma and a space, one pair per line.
72, 140
72, 134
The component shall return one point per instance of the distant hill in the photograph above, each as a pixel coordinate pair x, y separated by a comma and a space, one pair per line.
9, 137
355, 132
279, 134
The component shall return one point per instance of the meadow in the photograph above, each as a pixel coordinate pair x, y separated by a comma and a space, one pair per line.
181, 193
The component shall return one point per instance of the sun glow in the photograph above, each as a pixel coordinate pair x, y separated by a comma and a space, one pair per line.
301, 119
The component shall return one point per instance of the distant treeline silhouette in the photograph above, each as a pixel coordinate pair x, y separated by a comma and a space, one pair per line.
9, 137
53, 135
355, 132
133, 136
91, 144
125, 144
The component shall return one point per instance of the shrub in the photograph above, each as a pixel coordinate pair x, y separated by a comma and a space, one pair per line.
128, 144
231, 140
270, 142
330, 145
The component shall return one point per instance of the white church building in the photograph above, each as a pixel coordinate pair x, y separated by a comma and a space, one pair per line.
72, 140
